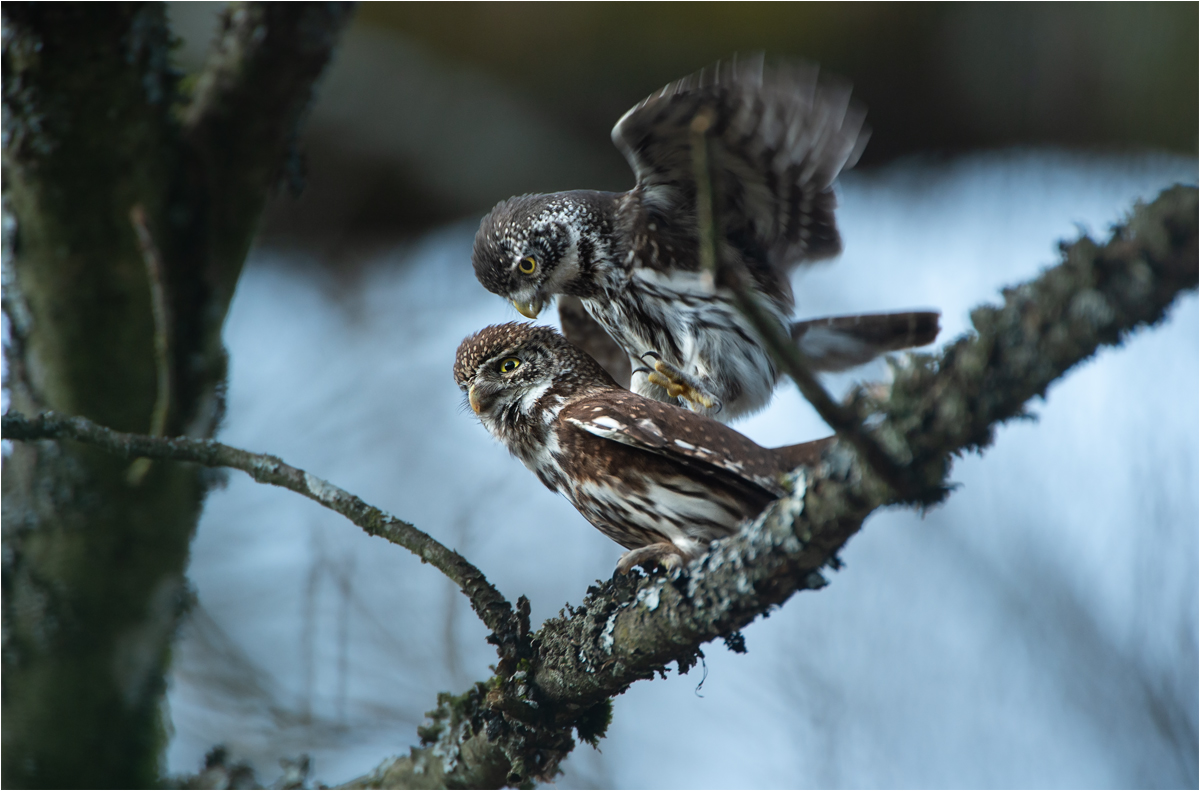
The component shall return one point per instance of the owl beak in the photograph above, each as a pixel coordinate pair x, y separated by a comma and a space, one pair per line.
475, 405
530, 309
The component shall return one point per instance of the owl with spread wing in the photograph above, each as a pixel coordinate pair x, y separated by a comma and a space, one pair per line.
661, 481
777, 139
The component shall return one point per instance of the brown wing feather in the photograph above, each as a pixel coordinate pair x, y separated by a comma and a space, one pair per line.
806, 454
780, 137
685, 436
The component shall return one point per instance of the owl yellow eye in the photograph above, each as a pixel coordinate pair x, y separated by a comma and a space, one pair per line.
528, 265
509, 364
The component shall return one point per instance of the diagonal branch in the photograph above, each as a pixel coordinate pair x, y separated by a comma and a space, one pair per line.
492, 608
629, 629
939, 406
844, 421
783, 350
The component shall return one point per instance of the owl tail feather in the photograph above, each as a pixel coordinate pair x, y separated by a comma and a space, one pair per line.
836, 343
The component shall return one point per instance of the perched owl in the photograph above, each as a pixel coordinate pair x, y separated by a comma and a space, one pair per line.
659, 480
777, 140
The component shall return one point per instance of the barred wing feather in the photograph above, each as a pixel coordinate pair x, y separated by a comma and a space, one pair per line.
779, 138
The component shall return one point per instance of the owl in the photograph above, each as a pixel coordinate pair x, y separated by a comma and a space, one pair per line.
660, 480
776, 141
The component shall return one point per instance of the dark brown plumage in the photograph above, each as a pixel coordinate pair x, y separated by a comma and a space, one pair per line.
659, 480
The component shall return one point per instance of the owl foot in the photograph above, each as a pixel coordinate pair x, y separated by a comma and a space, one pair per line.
680, 385
664, 555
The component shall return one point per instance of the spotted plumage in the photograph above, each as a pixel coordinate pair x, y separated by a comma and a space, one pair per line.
659, 480
778, 139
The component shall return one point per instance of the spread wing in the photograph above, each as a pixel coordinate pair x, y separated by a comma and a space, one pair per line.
778, 139
686, 437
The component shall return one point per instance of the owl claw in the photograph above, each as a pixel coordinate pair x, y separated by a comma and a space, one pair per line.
664, 555
680, 385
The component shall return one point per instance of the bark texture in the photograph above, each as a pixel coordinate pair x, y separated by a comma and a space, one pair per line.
128, 212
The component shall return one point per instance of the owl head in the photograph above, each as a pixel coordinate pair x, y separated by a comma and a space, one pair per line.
516, 372
531, 247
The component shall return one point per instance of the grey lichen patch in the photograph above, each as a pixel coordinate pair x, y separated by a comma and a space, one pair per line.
606, 636
321, 489
1092, 307
649, 596
263, 467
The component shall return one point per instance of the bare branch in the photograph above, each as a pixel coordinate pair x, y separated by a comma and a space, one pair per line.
492, 608
162, 336
844, 421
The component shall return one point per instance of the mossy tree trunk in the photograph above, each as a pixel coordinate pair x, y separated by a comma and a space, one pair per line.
128, 212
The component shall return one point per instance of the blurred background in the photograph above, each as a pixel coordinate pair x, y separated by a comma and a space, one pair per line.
1040, 629
433, 113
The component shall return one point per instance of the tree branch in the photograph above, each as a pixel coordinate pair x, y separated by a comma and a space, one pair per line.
939, 406
628, 629
492, 608
844, 421
162, 336
243, 119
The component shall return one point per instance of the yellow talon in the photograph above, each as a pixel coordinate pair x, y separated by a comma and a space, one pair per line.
675, 389
656, 378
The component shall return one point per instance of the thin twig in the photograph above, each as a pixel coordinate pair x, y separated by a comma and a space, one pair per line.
493, 609
842, 420
706, 218
778, 342
162, 338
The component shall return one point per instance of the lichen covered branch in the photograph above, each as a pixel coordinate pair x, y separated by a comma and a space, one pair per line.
939, 406
492, 607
